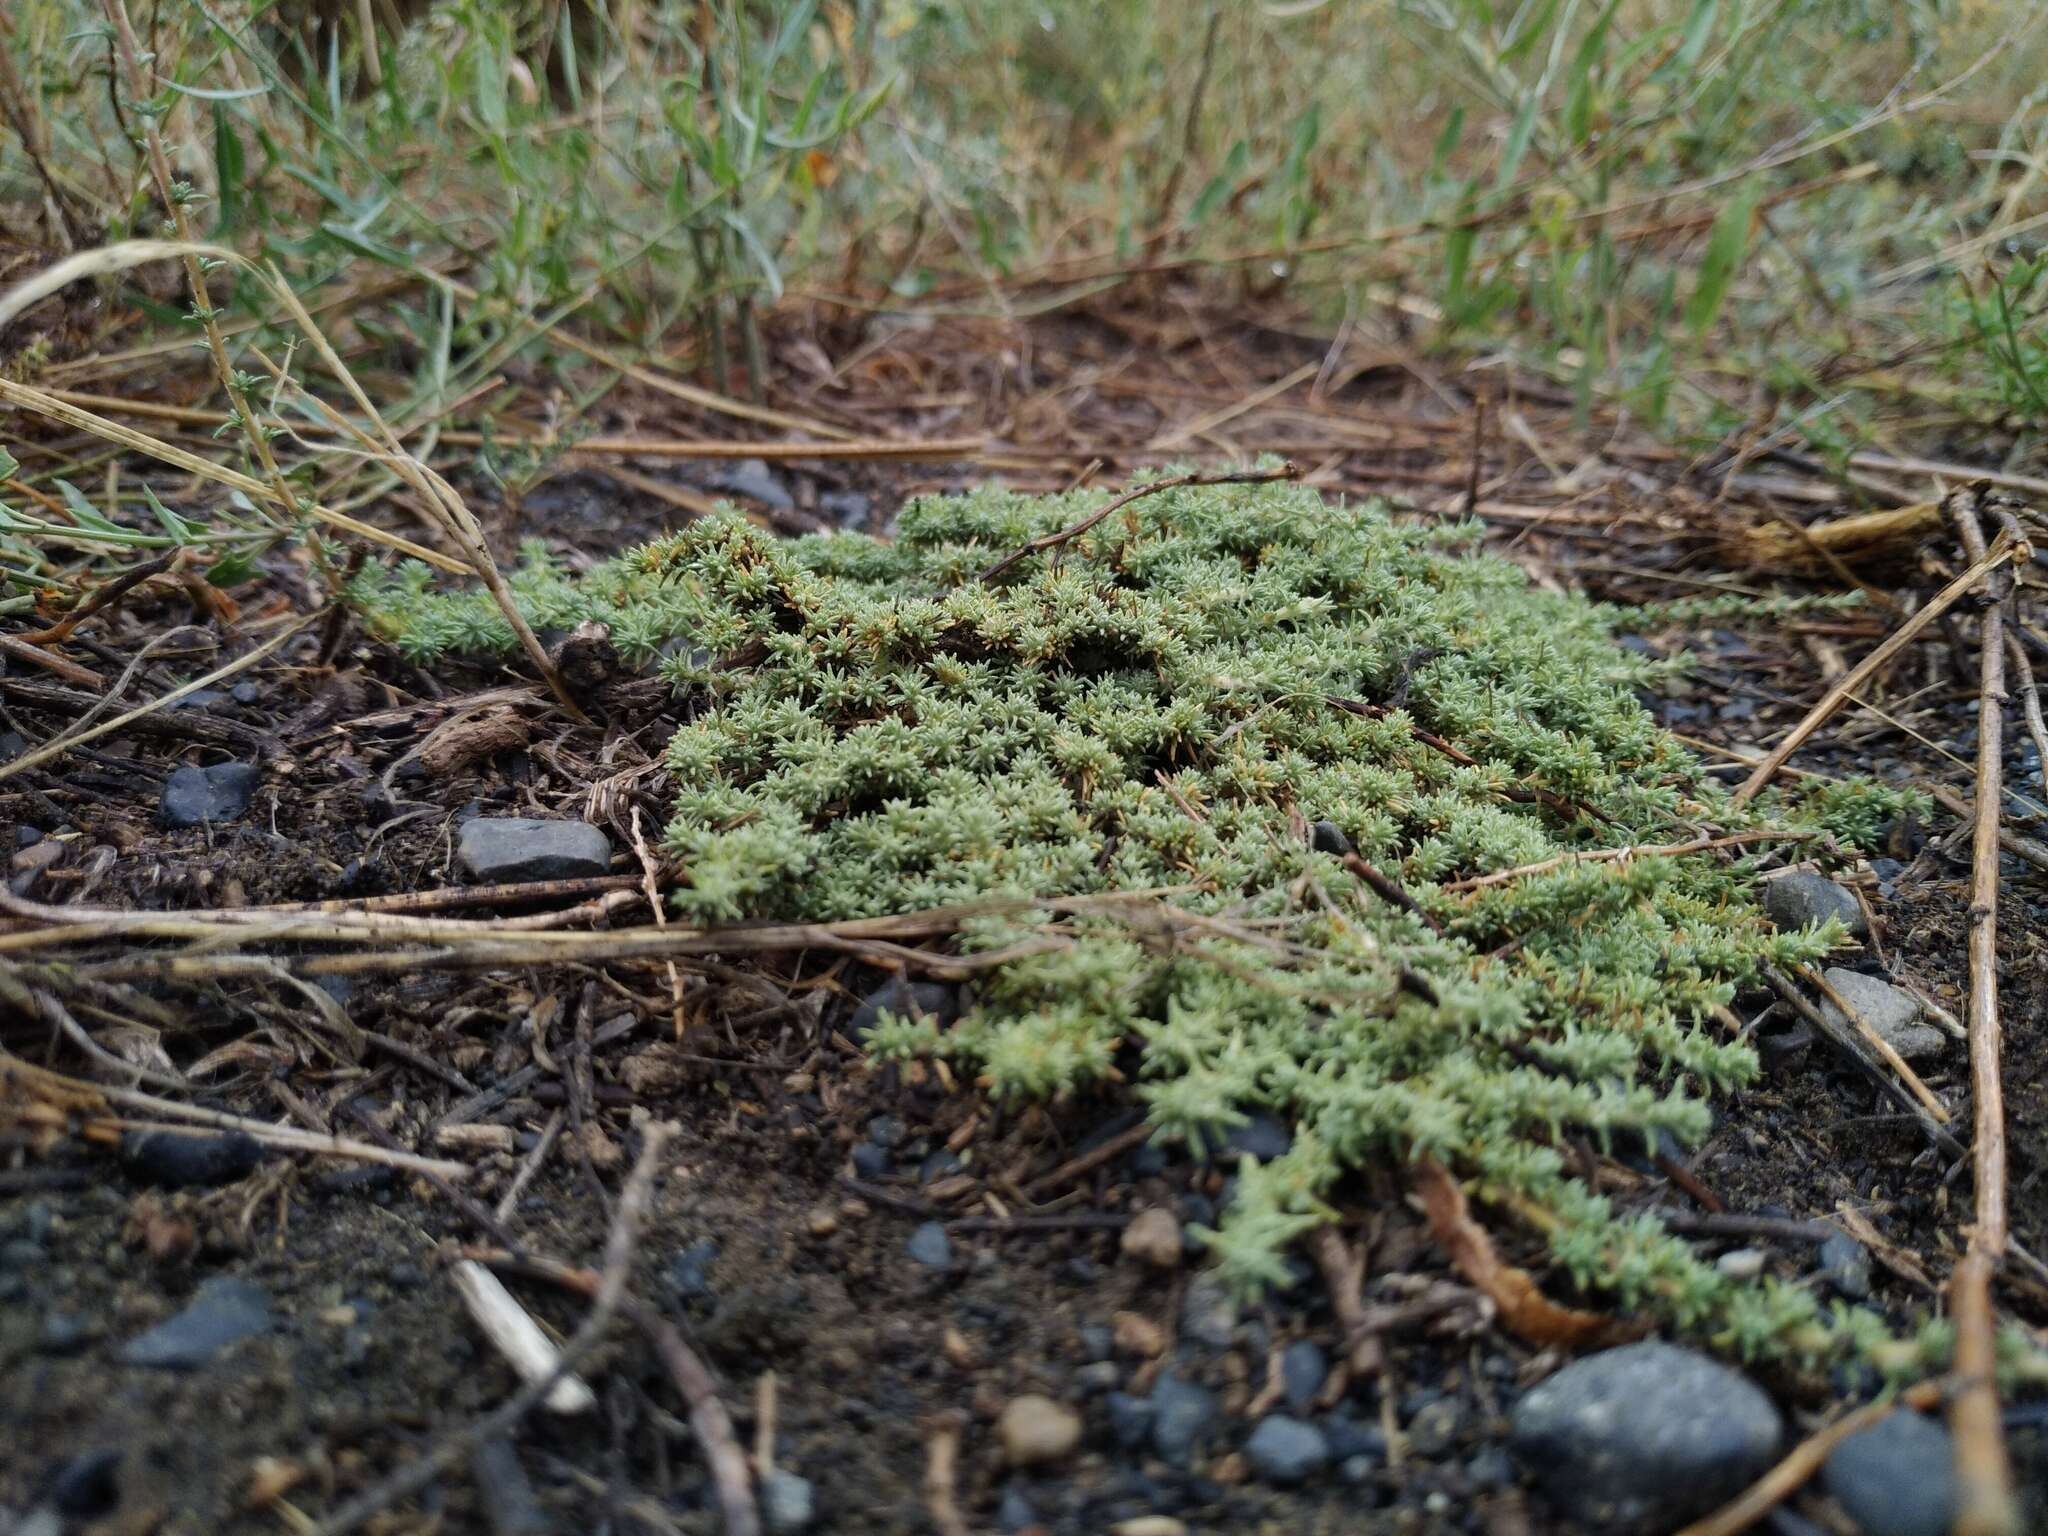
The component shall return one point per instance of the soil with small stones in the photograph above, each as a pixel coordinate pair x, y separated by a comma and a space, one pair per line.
781, 1261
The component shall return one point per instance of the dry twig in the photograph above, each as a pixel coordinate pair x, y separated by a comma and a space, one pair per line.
1151, 488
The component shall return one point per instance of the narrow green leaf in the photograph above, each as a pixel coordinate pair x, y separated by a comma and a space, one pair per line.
174, 525
86, 514
1726, 246
1518, 140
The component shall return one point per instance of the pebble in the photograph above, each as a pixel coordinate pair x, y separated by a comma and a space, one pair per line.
1349, 1439
26, 836
495, 849
1015, 1513
1099, 1377
12, 745
1896, 1478
690, 1270
1261, 1138
1137, 1335
195, 795
1434, 1427
1096, 1341
65, 1333
869, 1160
1741, 1263
1303, 1369
905, 999
1286, 1450
1130, 1419
887, 1131
175, 1160
930, 1246
1153, 1238
1036, 1431
1208, 1312
508, 1498
226, 1311
1644, 1437
752, 479
1893, 1012
1183, 1418
1803, 898
1845, 1265
788, 1503
88, 1486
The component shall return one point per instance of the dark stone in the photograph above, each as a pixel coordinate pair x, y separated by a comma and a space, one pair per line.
88, 1486
1845, 1265
66, 1333
496, 849
1349, 1438
1148, 1161
175, 1160
1286, 1451
27, 836
930, 1246
195, 795
752, 479
1262, 1138
1491, 1468
226, 1311
1015, 1513
1803, 898
1896, 1478
1303, 1369
1096, 1341
1644, 1437
1130, 1419
887, 1131
934, 1000
1183, 1418
1330, 838
869, 1160
1785, 1050
508, 1498
690, 1270
245, 693
12, 745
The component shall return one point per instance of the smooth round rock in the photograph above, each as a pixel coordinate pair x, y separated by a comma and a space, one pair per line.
1287, 1451
1037, 1431
1804, 898
1303, 1370
1183, 1418
1892, 1011
1644, 1437
930, 1246
1896, 1478
789, 1503
1153, 1238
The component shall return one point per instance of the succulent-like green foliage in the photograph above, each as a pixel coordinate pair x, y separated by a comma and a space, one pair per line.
1167, 705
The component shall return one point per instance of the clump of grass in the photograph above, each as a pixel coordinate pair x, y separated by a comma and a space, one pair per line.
1171, 703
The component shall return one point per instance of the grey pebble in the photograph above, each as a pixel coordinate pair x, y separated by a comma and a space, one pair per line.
1845, 1265
1644, 1437
1208, 1312
1130, 1419
788, 1503
1804, 898
752, 479
1261, 1138
1015, 1512
1097, 1341
905, 999
495, 849
508, 1498
195, 795
887, 1131
1330, 838
690, 1270
1303, 1369
1896, 1478
869, 1160
1183, 1418
930, 1246
226, 1311
1435, 1427
1892, 1011
1101, 1376
1286, 1450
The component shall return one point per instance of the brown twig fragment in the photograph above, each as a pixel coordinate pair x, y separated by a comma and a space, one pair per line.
1288, 471
1984, 1499
941, 1475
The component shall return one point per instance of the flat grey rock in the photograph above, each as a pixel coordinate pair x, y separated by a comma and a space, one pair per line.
1803, 898
1892, 1011
930, 1246
195, 795
753, 479
1208, 1312
1896, 1478
1643, 1438
225, 1312
1303, 1369
1286, 1451
497, 849
789, 1503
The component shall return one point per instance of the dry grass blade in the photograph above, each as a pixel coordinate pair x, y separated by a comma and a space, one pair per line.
1150, 488
1856, 676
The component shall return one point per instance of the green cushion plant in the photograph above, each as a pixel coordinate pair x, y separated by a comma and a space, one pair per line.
1115, 756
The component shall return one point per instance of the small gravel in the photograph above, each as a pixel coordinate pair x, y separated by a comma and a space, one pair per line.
1153, 1238
1303, 1369
226, 1311
222, 792
1845, 1264
1183, 1418
930, 1246
1286, 1450
497, 849
1803, 898
789, 1504
1208, 1312
1036, 1431
1896, 1478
